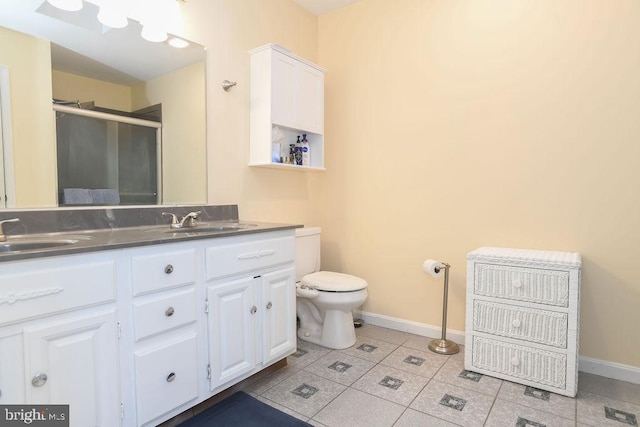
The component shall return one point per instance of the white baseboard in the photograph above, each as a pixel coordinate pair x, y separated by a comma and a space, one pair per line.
603, 368
614, 370
409, 326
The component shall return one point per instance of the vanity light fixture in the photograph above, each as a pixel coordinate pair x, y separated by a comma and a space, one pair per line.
70, 5
155, 17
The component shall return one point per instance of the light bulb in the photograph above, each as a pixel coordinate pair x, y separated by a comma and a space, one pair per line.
153, 33
111, 16
70, 5
178, 42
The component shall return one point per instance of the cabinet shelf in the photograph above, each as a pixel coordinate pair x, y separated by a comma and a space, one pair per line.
285, 166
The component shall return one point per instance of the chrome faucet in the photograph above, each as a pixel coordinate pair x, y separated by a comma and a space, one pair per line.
3, 237
189, 220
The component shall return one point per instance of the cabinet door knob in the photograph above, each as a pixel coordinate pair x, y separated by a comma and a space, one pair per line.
169, 312
254, 309
171, 377
515, 323
269, 305
517, 283
39, 380
515, 361
168, 269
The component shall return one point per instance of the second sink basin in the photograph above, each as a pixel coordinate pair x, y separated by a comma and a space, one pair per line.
29, 245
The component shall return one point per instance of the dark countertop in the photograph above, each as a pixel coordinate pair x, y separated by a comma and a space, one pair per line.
94, 230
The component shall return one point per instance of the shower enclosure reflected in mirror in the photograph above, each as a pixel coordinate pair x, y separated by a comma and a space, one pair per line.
46, 56
107, 159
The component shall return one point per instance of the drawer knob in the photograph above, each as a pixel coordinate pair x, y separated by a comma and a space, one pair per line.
517, 284
254, 309
171, 377
515, 361
169, 312
39, 380
269, 305
168, 269
516, 323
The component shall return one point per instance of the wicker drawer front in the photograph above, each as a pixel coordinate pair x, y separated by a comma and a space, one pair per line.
539, 326
544, 367
541, 286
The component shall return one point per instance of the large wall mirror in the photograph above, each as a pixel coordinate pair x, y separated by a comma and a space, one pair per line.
47, 54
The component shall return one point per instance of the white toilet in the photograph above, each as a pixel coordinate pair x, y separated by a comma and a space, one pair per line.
324, 298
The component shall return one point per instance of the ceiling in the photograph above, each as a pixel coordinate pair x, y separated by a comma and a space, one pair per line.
320, 7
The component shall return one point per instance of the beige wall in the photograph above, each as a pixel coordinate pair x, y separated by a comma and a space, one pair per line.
229, 29
449, 125
184, 162
453, 124
71, 87
29, 62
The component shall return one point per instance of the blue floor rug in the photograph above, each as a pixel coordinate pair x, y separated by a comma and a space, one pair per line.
242, 410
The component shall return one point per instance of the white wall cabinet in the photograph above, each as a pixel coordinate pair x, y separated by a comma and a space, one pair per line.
136, 336
287, 92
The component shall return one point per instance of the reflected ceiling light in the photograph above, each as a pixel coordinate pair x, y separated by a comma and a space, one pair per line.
178, 42
113, 14
70, 5
155, 19
153, 33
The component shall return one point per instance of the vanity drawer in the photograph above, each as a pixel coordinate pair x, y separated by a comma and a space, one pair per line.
515, 361
36, 288
158, 315
542, 286
166, 269
166, 377
539, 326
231, 259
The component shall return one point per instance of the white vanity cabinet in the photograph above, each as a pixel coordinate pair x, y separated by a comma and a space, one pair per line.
287, 92
135, 336
522, 317
251, 305
59, 336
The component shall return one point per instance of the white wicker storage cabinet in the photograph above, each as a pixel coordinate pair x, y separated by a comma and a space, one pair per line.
522, 317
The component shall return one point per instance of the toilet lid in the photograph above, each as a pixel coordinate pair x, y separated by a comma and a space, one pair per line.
334, 282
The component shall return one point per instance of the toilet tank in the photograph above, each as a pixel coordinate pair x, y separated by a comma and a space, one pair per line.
307, 255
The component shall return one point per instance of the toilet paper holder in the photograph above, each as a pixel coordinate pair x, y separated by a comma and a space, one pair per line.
442, 345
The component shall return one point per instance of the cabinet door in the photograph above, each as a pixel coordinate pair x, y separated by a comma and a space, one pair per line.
231, 322
74, 361
279, 315
311, 99
285, 90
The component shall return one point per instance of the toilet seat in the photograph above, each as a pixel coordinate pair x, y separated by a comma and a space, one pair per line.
329, 281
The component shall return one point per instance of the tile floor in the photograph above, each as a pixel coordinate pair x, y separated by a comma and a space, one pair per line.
390, 378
